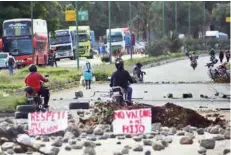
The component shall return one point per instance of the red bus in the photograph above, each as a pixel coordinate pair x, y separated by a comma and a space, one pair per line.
16, 40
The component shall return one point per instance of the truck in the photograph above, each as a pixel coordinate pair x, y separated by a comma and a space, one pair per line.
84, 47
17, 40
117, 38
216, 35
64, 42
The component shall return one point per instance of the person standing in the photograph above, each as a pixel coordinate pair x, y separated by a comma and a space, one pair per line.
227, 55
10, 63
221, 56
127, 42
133, 42
52, 58
87, 73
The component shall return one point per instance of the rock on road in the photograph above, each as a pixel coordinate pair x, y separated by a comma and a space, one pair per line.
154, 93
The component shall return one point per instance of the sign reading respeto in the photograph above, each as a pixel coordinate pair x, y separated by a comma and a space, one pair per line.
132, 121
40, 123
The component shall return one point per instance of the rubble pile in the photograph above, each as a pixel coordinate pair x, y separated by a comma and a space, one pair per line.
169, 115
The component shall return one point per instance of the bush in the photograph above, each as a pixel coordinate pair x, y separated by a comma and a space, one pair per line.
206, 44
170, 43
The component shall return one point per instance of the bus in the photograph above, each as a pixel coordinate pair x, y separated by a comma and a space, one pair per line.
64, 42
117, 39
216, 35
17, 41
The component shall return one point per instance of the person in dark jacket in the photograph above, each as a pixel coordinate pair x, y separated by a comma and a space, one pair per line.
221, 56
122, 78
227, 54
137, 72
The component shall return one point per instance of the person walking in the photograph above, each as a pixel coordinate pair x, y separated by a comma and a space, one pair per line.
227, 55
87, 73
10, 63
221, 56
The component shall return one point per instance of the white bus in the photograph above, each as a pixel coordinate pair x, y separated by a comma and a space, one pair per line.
64, 42
117, 38
216, 35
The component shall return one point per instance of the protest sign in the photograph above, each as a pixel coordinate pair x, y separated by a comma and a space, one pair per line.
40, 123
136, 121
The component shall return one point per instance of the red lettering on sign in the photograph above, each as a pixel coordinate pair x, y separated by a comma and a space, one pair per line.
133, 129
48, 115
32, 117
118, 115
147, 113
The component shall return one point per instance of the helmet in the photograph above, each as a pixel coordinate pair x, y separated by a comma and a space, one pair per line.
139, 65
32, 68
119, 63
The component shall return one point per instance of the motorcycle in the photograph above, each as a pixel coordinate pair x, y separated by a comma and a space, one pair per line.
212, 58
35, 99
193, 60
118, 95
215, 73
194, 64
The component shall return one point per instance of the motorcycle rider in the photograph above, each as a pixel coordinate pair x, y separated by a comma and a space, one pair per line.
121, 78
212, 54
138, 72
193, 58
33, 80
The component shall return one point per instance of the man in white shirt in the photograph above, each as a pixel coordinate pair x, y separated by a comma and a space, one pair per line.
10, 62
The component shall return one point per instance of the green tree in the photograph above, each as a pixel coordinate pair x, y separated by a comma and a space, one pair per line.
218, 18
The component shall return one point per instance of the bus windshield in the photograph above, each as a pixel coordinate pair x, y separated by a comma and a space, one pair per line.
116, 37
17, 28
61, 37
83, 37
18, 46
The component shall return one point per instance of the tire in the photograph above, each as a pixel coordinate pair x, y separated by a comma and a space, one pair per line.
26, 108
79, 105
21, 115
58, 59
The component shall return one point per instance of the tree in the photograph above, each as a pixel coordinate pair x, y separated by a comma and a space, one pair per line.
218, 18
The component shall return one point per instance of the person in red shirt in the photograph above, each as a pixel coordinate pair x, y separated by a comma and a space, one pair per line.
33, 80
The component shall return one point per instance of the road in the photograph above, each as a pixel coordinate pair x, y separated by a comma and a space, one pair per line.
154, 93
179, 71
95, 61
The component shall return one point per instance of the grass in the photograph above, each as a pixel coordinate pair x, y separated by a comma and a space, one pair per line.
8, 104
60, 78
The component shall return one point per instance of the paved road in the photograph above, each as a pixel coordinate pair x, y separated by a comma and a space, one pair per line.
95, 61
179, 71
154, 93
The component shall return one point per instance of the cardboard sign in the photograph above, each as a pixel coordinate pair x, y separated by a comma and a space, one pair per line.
46, 123
132, 121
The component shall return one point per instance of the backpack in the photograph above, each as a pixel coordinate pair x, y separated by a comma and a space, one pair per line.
11, 61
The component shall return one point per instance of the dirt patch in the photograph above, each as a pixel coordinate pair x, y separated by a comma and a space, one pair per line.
168, 115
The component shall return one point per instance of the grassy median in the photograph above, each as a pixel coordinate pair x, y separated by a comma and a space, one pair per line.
59, 78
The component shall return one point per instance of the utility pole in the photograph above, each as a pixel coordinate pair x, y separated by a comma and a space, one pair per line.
204, 27
77, 36
189, 19
109, 26
176, 16
163, 20
32, 31
130, 17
